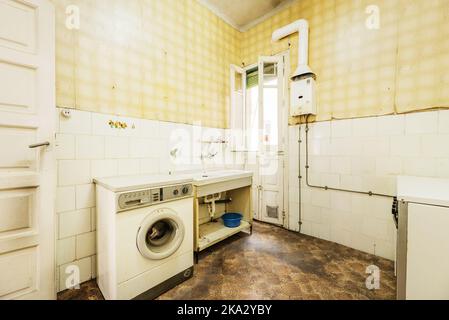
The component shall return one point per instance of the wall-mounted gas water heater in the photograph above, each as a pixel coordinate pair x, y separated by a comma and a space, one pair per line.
303, 87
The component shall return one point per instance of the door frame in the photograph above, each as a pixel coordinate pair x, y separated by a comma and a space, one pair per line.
285, 120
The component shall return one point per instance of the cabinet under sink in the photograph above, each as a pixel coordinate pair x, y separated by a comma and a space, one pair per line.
230, 191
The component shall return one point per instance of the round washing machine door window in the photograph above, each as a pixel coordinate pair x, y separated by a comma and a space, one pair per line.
160, 235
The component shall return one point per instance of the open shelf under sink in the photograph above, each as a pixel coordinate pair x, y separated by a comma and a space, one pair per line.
214, 232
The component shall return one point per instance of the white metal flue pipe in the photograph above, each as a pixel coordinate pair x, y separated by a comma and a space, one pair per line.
301, 27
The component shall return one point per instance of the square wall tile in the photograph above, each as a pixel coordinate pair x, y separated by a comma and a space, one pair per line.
341, 201
73, 172
166, 129
364, 127
389, 166
420, 167
421, 123
65, 147
341, 236
436, 146
363, 165
318, 164
375, 228
443, 126
341, 128
306, 228
351, 182
341, 165
140, 148
293, 133
161, 149
100, 125
391, 125
443, 168
90, 147
104, 168
376, 147
320, 198
363, 242
385, 249
405, 146
117, 148
85, 196
133, 129
330, 179
318, 130
74, 223
85, 245
321, 231
293, 194
128, 167
65, 199
65, 250
379, 208
82, 267
311, 213
149, 165
149, 129
80, 122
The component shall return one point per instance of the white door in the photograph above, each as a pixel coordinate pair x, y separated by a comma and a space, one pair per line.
270, 116
27, 175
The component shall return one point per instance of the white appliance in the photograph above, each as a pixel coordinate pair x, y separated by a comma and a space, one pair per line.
423, 238
144, 235
303, 97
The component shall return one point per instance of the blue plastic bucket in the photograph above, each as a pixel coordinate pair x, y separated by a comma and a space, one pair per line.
232, 220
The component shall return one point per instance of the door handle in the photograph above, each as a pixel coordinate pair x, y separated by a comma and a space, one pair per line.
38, 145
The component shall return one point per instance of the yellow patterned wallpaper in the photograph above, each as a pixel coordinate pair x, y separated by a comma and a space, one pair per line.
169, 59
158, 59
403, 66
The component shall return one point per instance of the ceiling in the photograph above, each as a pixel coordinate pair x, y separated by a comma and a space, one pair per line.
243, 14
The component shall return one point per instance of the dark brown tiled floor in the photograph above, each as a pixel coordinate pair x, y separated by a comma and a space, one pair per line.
277, 264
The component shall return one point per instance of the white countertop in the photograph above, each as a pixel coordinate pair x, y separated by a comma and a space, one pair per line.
430, 191
140, 182
211, 177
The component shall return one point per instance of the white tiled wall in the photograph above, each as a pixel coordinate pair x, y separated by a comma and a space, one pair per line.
87, 148
363, 154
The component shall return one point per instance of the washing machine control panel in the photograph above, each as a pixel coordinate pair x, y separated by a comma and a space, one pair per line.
176, 192
142, 198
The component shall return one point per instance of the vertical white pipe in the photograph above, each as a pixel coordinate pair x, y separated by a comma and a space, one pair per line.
303, 46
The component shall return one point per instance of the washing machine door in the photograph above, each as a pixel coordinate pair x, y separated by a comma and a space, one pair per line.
160, 234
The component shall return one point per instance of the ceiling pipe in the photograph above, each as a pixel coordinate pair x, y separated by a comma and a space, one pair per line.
301, 27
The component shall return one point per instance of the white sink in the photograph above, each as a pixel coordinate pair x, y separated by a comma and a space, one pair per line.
211, 177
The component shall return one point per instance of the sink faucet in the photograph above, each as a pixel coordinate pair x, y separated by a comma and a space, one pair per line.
174, 153
209, 156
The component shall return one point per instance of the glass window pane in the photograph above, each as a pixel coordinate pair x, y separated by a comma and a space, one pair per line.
271, 81
270, 105
253, 118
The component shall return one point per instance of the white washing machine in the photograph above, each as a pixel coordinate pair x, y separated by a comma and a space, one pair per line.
144, 235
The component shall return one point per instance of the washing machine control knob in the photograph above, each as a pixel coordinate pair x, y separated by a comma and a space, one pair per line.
185, 190
175, 192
